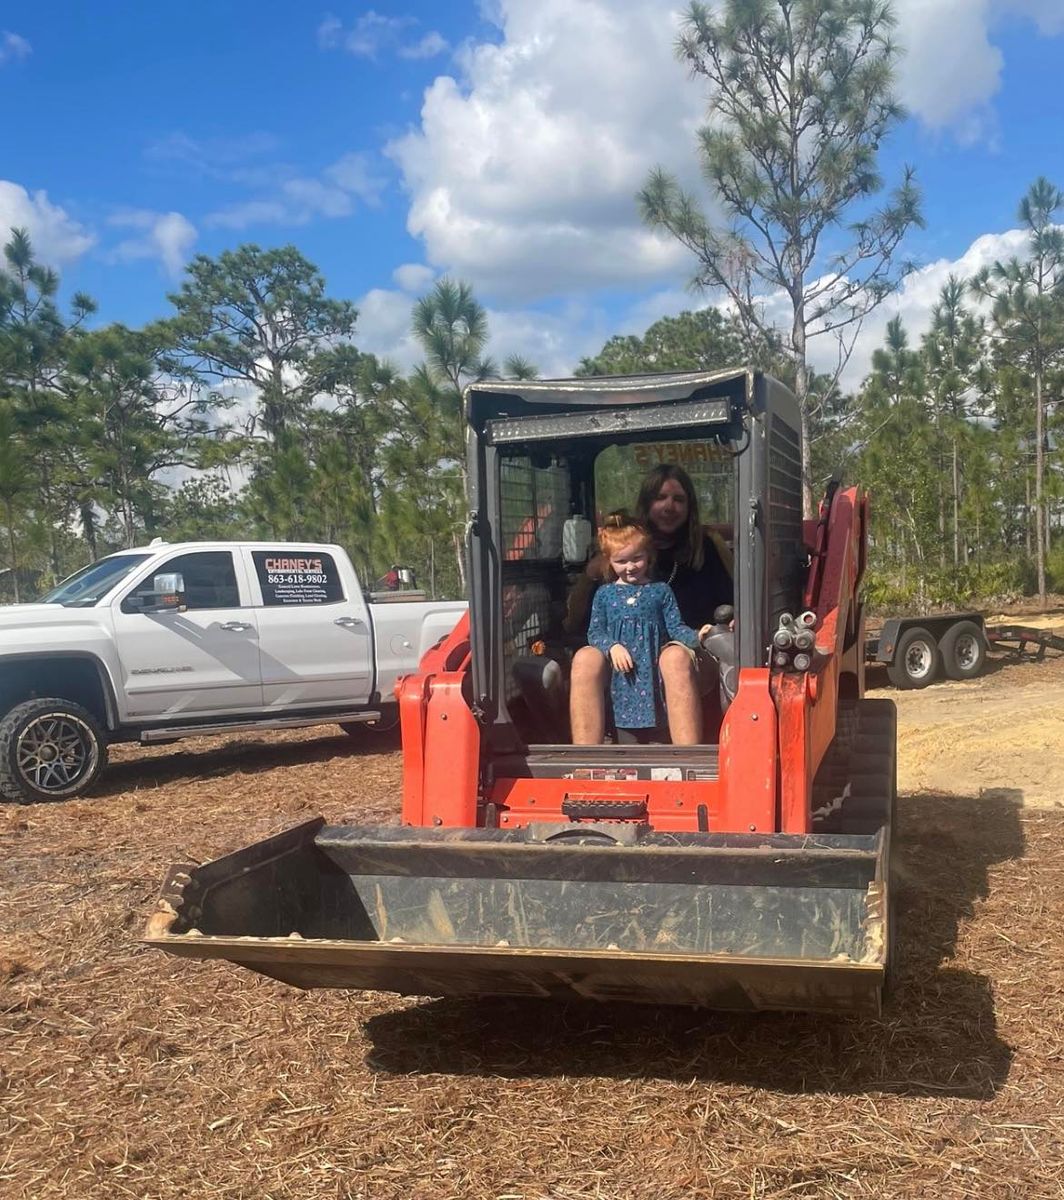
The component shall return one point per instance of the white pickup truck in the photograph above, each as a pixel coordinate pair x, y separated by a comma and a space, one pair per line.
167, 641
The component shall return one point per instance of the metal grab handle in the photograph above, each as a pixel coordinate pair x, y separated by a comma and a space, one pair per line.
348, 622
236, 626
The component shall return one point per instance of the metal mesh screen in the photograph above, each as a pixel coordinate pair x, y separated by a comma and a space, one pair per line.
534, 503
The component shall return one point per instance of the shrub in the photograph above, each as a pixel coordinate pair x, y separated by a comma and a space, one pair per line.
973, 585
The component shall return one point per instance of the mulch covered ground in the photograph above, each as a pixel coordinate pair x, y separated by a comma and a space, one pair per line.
126, 1073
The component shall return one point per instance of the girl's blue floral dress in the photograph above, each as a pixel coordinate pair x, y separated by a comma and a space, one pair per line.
642, 617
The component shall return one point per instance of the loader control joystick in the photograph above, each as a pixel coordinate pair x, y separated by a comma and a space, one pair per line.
719, 642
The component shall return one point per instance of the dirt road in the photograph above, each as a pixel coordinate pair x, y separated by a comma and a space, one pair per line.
127, 1074
1000, 735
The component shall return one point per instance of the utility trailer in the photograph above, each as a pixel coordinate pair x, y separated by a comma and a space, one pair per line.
748, 871
919, 650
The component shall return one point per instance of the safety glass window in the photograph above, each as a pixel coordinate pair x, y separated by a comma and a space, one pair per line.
205, 579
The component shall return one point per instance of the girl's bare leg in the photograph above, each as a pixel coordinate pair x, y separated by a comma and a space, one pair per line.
587, 696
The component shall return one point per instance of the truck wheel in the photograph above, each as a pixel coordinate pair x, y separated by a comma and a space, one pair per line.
916, 661
963, 649
50, 749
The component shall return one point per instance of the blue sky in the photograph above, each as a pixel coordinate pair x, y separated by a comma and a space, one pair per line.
501, 143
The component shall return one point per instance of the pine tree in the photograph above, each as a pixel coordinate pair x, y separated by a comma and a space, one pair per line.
801, 95
1027, 317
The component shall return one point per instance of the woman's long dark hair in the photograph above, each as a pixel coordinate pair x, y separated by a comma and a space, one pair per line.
690, 540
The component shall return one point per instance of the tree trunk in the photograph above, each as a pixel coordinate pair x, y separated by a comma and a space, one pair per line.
12, 550
1027, 512
956, 508
801, 392
1039, 472
88, 528
459, 553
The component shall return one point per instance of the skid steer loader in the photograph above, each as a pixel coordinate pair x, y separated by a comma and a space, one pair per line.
749, 871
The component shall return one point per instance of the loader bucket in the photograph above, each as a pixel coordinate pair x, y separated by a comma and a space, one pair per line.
605, 912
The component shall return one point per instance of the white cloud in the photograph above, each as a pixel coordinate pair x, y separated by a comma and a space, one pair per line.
13, 47
216, 157
358, 175
384, 328
292, 199
554, 342
524, 170
415, 278
373, 34
329, 32
429, 46
168, 237
951, 70
914, 302
524, 166
57, 237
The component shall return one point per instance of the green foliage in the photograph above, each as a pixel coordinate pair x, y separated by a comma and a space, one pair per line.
1026, 298
98, 426
800, 98
258, 318
975, 585
203, 508
1055, 568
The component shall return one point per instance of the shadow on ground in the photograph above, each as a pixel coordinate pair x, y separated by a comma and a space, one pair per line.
937, 1036
247, 754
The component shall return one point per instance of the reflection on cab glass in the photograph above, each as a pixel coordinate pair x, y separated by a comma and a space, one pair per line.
92, 583
620, 470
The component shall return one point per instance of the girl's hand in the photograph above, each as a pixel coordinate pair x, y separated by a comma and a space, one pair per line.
703, 631
621, 659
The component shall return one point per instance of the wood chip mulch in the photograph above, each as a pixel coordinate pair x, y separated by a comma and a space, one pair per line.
126, 1073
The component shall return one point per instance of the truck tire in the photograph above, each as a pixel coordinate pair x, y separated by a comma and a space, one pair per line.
963, 648
50, 749
917, 661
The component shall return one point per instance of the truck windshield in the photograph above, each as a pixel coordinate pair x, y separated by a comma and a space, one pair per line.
85, 587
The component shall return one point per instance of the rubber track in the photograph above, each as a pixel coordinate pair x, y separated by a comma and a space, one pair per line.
862, 757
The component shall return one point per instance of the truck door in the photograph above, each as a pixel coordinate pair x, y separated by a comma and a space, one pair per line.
202, 658
315, 636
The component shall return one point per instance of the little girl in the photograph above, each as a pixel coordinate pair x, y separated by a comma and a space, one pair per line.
631, 620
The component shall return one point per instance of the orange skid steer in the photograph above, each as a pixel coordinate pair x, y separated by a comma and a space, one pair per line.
749, 871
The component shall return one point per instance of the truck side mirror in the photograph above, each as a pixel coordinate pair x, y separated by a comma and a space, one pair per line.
167, 595
169, 591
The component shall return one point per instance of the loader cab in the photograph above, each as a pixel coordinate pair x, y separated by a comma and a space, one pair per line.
548, 459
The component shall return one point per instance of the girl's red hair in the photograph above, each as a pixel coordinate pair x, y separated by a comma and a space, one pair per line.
618, 531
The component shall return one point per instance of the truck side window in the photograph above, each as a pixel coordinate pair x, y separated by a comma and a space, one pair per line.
209, 576
289, 577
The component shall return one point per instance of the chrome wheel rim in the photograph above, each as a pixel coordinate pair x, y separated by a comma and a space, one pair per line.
918, 660
55, 752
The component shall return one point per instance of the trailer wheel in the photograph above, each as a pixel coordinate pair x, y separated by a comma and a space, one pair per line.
50, 749
963, 649
917, 661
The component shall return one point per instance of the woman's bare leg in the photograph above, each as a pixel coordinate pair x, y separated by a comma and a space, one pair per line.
587, 696
682, 696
